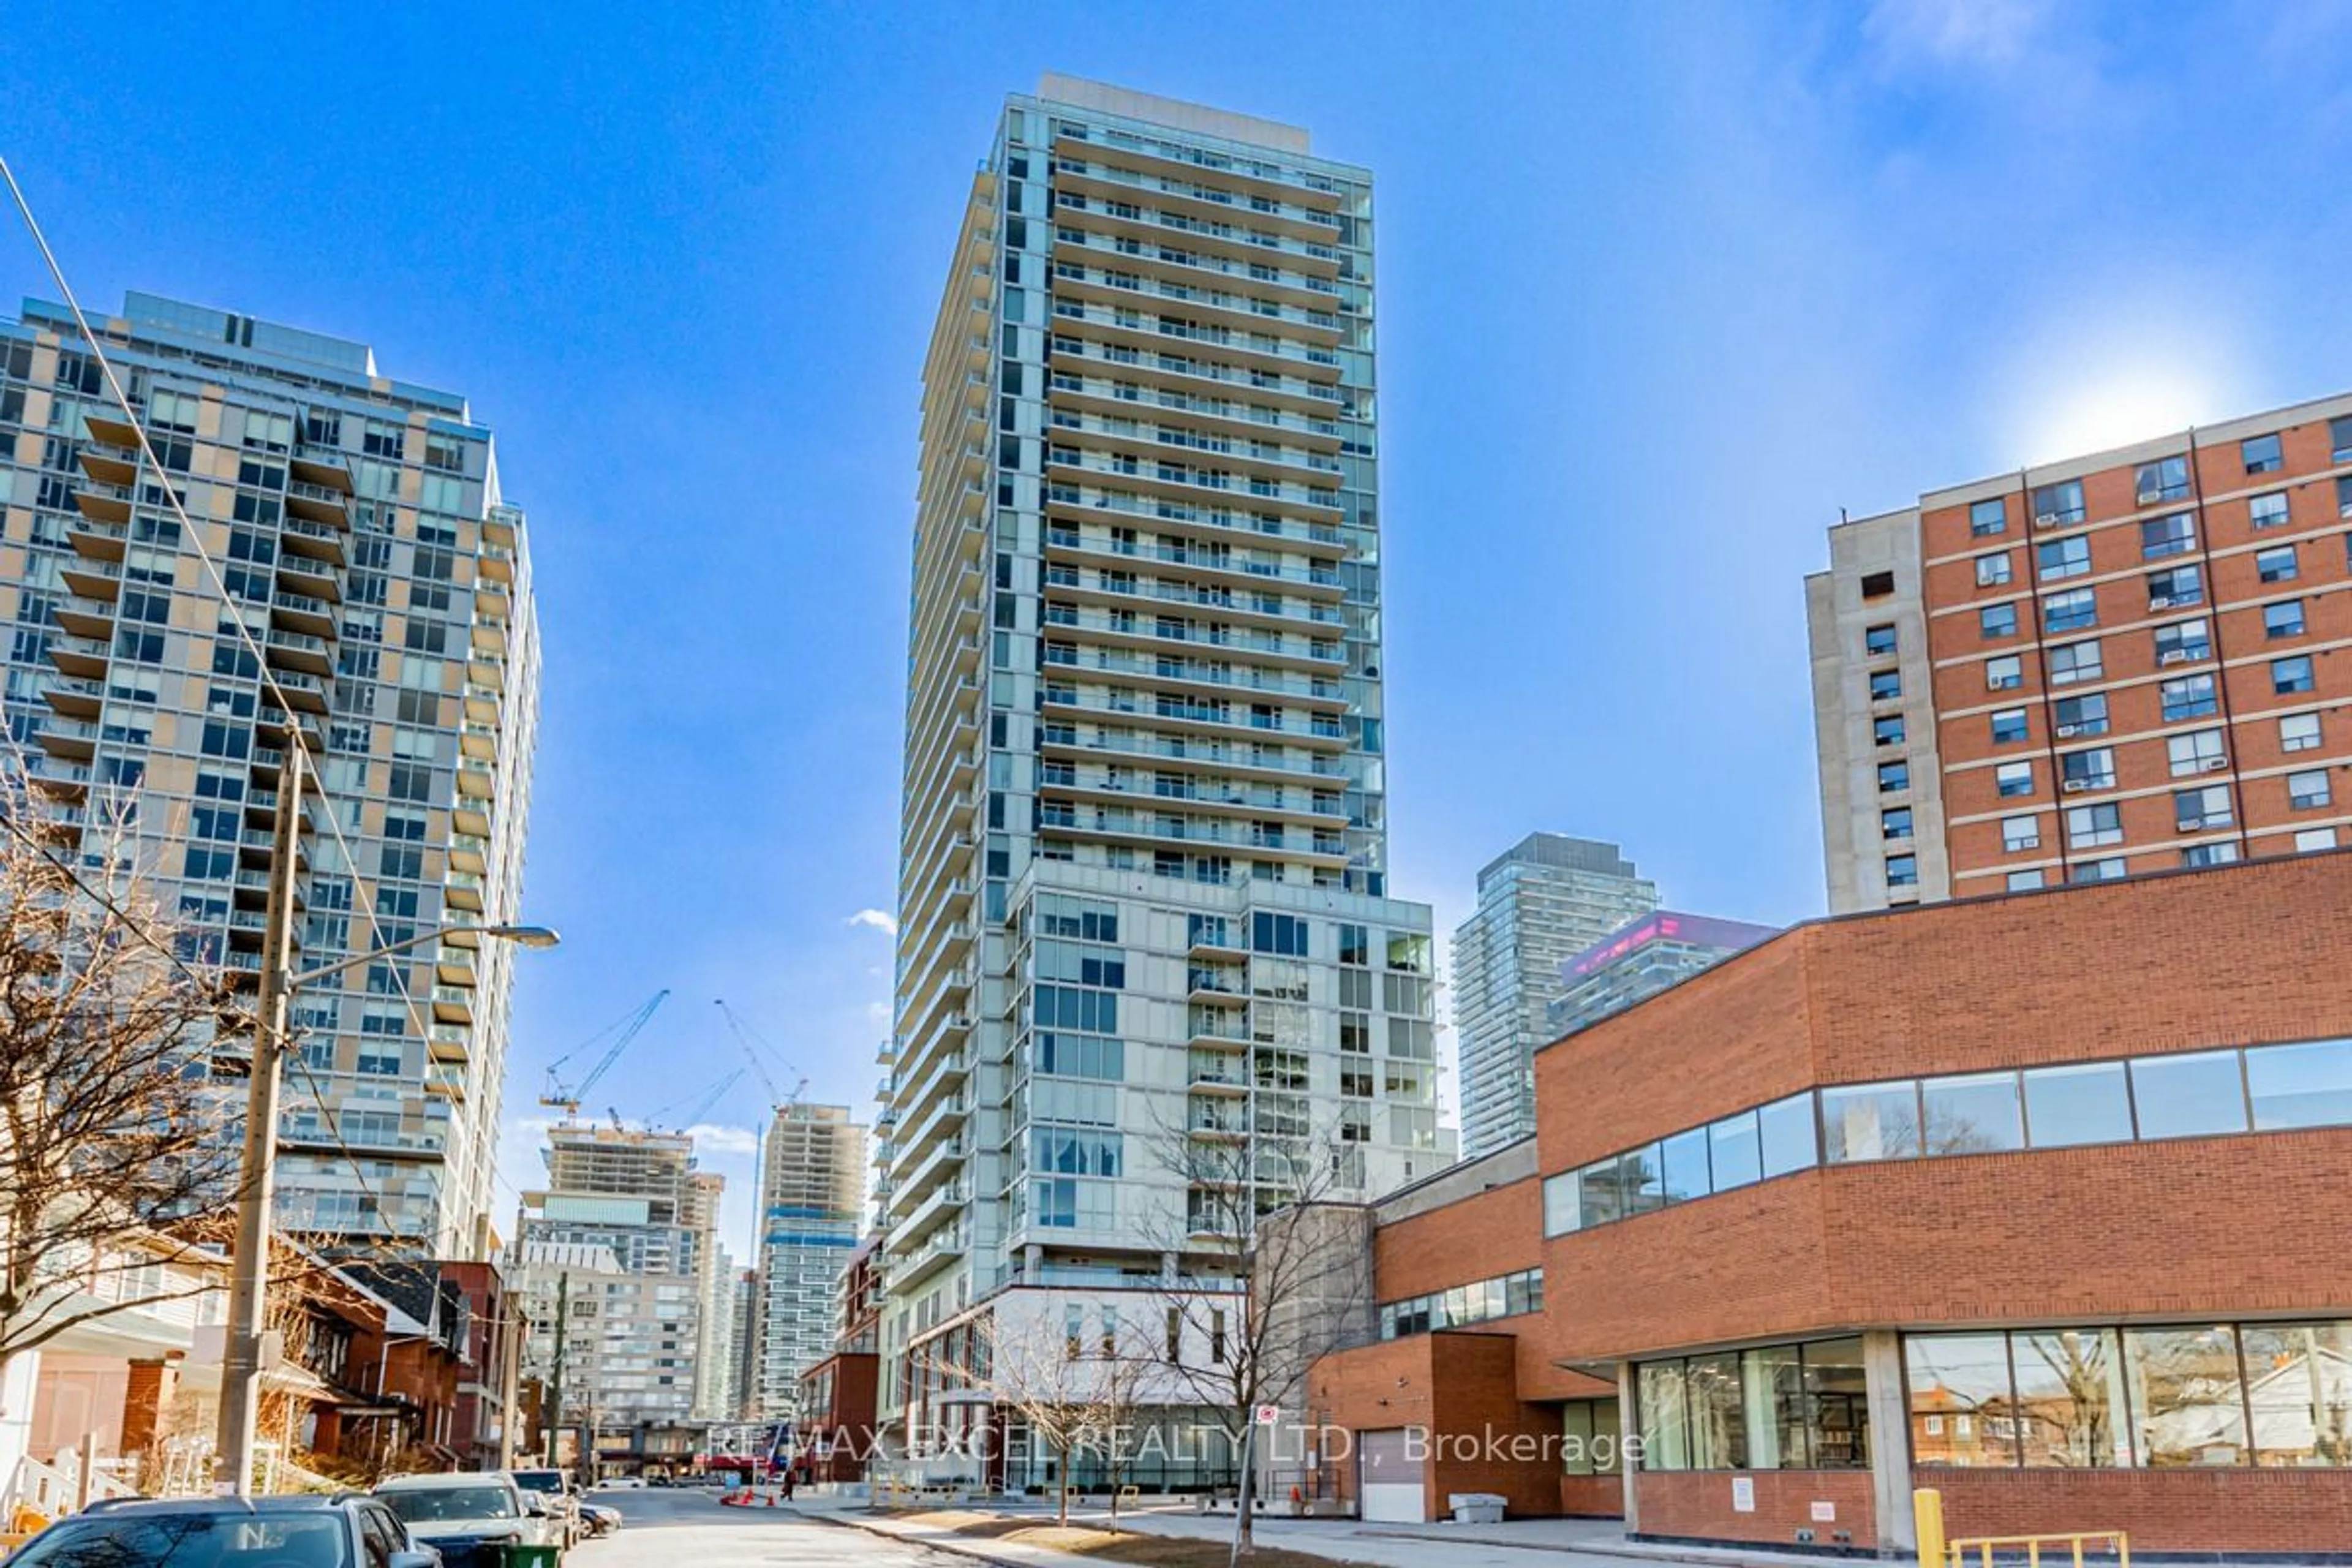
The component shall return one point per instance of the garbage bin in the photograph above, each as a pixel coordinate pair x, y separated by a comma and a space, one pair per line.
1475, 1508
520, 1556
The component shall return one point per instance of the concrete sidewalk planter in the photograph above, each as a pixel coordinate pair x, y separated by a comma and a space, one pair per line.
1475, 1508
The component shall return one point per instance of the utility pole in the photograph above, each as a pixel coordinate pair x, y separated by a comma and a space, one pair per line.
510, 1335
248, 1341
562, 1337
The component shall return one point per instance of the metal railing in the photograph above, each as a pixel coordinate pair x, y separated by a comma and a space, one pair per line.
2074, 1547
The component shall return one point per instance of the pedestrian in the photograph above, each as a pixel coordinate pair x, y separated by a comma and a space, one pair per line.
791, 1473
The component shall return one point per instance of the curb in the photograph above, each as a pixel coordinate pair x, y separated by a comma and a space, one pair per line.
971, 1554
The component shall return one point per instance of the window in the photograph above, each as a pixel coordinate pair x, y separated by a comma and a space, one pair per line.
2076, 1104
1733, 1151
2025, 881
1893, 776
2344, 496
1780, 1407
1888, 731
1878, 641
2006, 673
2187, 1395
1787, 1136
2093, 769
1997, 621
1877, 584
2284, 619
2095, 826
2167, 478
2110, 870
1885, 685
1894, 823
2082, 716
2202, 809
2060, 558
2072, 662
2184, 642
2162, 536
2339, 439
2312, 839
2192, 1094
2021, 833
1992, 570
2189, 697
2176, 589
2299, 732
1560, 1203
2267, 510
2308, 1085
2261, 454
2072, 611
1973, 1113
1987, 516
2308, 791
2224, 853
1902, 871
1959, 1388
2276, 565
1870, 1121
2197, 752
2009, 726
2056, 506
2291, 675
2014, 779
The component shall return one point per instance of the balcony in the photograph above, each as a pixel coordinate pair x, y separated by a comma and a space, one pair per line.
108, 468
476, 782
75, 739
322, 468
447, 1045
1218, 1028
462, 890
492, 602
318, 503
453, 1005
74, 698
304, 691
100, 538
96, 580
445, 1080
302, 575
300, 651
302, 612
91, 619
315, 541
1221, 1080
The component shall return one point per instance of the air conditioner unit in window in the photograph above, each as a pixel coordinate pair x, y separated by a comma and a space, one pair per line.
2076, 786
2066, 729
2160, 601
2173, 656
2214, 764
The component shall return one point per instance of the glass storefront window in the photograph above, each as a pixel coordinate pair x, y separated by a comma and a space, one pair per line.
2188, 1400
1836, 1406
2069, 1399
2299, 1382
1870, 1121
2069, 1106
1666, 1426
2301, 1085
1595, 1444
1961, 1410
1775, 1386
1641, 1181
1974, 1114
1718, 1413
2192, 1095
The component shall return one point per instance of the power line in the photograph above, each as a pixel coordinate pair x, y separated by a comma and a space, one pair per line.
234, 611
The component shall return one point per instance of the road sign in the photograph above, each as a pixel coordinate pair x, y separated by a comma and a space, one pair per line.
1269, 1414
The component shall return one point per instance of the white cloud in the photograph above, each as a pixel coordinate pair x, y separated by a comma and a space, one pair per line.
1955, 32
882, 920
878, 1011
710, 1140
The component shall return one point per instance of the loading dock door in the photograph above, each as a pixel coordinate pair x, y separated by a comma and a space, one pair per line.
1393, 1478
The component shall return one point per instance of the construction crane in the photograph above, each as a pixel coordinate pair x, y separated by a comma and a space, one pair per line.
620, 1034
752, 1045
703, 1105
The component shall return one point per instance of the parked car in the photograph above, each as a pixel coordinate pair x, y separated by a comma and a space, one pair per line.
562, 1498
622, 1483
343, 1531
471, 1518
601, 1518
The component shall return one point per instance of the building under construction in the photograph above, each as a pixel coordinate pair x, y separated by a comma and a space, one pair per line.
813, 1192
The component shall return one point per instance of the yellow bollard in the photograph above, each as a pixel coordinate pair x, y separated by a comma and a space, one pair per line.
1927, 1519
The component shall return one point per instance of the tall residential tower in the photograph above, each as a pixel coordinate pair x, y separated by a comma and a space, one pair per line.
1542, 902
812, 1214
2128, 661
1143, 883
356, 524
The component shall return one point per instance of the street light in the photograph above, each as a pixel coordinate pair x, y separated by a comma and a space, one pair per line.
245, 1336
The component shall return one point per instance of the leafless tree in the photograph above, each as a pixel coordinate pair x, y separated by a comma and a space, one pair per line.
1272, 1271
114, 1144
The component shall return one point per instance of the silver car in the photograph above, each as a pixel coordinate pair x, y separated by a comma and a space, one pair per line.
471, 1517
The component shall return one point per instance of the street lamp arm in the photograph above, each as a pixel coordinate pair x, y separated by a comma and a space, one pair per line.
529, 936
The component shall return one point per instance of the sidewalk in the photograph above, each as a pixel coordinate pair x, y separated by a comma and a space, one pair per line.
1563, 1542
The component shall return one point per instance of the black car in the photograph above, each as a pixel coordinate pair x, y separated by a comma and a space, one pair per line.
346, 1531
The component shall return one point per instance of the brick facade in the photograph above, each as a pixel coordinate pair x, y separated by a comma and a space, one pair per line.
2188, 1230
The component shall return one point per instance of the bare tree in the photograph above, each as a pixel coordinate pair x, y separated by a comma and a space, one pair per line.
113, 1142
1072, 1388
1272, 1269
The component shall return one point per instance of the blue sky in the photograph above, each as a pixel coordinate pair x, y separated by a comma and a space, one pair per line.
1662, 286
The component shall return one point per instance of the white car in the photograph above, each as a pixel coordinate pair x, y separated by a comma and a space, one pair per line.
461, 1513
622, 1484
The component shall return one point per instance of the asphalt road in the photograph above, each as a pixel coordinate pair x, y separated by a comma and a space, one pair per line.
671, 1526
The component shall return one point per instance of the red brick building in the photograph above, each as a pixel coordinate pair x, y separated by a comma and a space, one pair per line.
834, 1434
2039, 1199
